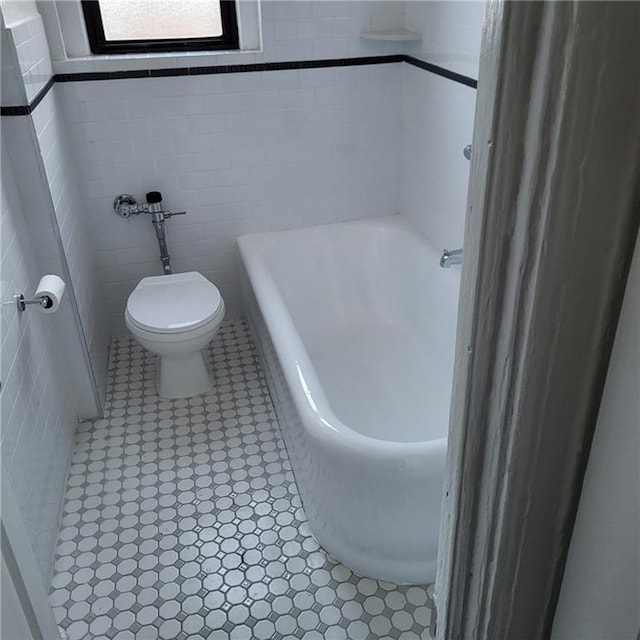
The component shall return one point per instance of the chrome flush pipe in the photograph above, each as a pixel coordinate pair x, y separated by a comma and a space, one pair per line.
154, 200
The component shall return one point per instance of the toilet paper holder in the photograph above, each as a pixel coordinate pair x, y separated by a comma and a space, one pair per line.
45, 301
47, 296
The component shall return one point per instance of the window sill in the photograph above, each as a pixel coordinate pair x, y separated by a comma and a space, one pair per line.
131, 62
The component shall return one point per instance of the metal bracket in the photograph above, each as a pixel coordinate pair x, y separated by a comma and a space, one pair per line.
433, 611
22, 302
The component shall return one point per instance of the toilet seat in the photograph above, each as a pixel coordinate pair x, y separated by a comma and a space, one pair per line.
174, 303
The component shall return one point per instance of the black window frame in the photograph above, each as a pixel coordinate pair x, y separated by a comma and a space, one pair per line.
100, 45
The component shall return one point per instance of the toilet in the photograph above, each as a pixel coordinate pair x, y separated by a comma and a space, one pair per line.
176, 316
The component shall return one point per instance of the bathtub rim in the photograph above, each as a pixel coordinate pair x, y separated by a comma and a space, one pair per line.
306, 388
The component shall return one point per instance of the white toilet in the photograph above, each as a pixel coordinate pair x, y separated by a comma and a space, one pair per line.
176, 316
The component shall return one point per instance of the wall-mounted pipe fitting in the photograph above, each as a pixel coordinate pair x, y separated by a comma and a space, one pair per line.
126, 206
450, 257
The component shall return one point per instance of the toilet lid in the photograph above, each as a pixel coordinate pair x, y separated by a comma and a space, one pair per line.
173, 303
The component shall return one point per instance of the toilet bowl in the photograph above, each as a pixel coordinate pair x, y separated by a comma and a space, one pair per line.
176, 316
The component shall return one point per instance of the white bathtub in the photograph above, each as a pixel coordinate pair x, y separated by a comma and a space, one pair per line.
355, 325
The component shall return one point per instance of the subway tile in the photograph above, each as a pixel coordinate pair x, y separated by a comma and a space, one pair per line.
215, 179
173, 126
286, 30
294, 50
209, 123
75, 112
296, 98
105, 110
116, 130
253, 121
84, 91
191, 143
315, 29
242, 82
196, 180
228, 141
139, 167
97, 169
127, 255
242, 101
211, 160
205, 84
175, 164
154, 148
167, 106
218, 195
285, 79
111, 150
250, 157
149, 88
314, 78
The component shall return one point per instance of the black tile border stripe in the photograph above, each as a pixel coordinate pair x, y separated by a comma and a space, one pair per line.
89, 76
27, 109
42, 93
23, 110
441, 71
228, 68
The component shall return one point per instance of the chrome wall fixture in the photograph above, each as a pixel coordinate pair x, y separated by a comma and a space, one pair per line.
449, 258
126, 206
47, 296
466, 152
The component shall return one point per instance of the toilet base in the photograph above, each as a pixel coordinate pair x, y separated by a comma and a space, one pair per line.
182, 377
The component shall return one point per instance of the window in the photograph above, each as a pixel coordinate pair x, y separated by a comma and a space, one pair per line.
142, 26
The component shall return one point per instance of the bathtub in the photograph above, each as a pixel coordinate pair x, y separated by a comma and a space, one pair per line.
355, 327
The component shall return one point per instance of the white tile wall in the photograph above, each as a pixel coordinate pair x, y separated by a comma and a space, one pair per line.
241, 152
26, 56
29, 41
44, 384
451, 33
38, 420
12, 89
326, 28
437, 124
53, 146
438, 117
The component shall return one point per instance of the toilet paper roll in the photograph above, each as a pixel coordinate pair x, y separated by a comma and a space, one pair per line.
50, 290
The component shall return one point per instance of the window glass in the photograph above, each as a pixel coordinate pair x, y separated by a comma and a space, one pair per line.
160, 19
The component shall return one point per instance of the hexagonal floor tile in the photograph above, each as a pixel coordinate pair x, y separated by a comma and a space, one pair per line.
183, 521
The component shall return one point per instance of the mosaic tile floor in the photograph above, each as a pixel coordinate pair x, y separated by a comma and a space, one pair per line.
182, 520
